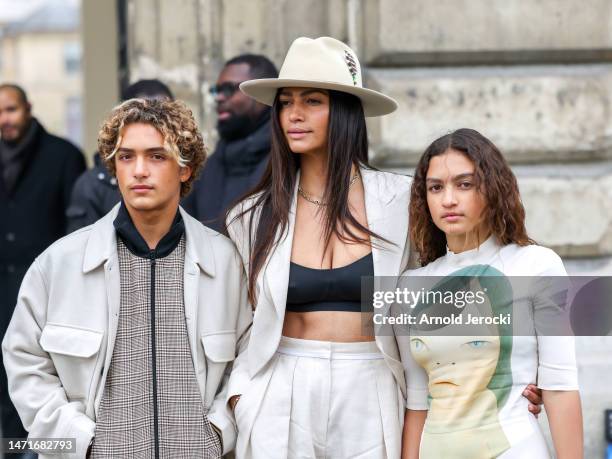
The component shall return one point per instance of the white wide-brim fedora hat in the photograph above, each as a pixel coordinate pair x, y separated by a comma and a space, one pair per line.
324, 63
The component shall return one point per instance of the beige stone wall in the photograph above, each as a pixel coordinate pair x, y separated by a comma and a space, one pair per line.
534, 76
100, 63
460, 30
185, 42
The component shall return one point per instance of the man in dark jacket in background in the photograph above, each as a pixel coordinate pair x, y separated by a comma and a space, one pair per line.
241, 155
96, 192
37, 172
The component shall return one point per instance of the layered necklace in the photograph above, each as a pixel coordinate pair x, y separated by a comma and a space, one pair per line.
316, 202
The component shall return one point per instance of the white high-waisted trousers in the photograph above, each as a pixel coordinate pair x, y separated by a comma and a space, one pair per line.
319, 399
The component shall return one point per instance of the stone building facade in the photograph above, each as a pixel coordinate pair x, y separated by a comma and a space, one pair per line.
41, 51
535, 76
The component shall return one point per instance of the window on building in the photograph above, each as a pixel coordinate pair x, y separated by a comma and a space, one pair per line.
74, 120
72, 57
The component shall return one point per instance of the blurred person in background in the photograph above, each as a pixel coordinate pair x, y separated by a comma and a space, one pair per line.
37, 172
96, 191
241, 155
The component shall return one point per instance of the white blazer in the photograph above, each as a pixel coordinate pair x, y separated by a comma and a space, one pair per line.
386, 201
59, 344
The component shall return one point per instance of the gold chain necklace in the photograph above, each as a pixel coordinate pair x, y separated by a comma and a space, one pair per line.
316, 202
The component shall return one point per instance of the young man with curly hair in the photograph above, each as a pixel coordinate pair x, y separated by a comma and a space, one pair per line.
123, 330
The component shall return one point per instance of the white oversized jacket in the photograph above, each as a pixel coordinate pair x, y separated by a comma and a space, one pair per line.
386, 202
59, 344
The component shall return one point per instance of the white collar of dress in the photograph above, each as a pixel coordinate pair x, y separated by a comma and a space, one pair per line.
485, 250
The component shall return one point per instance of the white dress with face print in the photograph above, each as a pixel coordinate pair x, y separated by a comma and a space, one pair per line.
472, 381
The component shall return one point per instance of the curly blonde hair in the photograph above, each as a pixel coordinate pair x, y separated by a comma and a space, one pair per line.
175, 122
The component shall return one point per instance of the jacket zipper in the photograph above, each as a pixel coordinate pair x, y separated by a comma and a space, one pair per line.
154, 357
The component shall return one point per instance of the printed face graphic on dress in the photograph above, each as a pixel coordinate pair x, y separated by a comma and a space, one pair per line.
469, 375
460, 367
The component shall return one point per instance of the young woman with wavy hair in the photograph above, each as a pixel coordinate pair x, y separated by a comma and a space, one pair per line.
312, 382
464, 392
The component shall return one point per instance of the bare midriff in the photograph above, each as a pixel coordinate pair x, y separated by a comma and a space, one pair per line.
336, 326
310, 250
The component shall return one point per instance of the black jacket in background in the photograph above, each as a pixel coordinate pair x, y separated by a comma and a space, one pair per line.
94, 194
233, 169
32, 217
33, 213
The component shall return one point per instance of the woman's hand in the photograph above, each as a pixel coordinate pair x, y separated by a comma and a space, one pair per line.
534, 395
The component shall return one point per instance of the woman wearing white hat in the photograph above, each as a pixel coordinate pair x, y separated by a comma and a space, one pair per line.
312, 382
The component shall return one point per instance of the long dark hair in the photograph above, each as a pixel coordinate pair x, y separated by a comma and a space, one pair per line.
347, 145
504, 211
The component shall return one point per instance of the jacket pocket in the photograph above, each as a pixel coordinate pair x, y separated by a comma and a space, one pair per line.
219, 350
74, 352
220, 347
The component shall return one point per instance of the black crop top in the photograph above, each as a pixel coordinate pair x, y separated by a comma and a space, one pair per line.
336, 289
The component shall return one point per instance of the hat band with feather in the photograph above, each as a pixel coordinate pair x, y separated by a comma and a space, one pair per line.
323, 63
